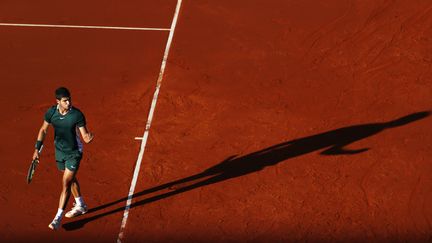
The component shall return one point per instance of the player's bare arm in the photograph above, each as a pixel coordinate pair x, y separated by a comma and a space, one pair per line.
86, 135
40, 138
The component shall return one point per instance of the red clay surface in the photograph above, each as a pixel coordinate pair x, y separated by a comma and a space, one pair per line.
111, 75
134, 13
276, 121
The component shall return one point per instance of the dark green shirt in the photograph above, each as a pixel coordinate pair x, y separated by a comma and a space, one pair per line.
65, 128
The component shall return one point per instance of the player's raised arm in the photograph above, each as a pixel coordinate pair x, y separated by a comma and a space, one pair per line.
86, 135
40, 138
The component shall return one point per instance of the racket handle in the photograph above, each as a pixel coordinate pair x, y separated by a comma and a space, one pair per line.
40, 150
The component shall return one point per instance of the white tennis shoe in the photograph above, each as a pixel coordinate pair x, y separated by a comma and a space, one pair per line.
76, 211
55, 224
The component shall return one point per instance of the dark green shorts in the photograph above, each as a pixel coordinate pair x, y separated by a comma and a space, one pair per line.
71, 161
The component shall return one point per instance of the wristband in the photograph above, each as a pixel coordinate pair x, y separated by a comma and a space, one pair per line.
38, 145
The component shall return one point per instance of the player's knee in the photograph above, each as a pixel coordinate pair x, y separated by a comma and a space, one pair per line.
67, 183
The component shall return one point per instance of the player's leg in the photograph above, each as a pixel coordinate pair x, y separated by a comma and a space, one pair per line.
79, 206
68, 177
76, 192
75, 188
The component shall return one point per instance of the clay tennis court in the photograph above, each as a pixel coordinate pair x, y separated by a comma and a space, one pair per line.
276, 121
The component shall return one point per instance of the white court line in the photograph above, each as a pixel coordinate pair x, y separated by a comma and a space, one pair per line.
81, 26
149, 120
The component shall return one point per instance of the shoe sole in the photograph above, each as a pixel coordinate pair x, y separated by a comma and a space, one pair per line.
74, 215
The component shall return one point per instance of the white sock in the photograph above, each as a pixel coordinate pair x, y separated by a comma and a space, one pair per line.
79, 201
59, 214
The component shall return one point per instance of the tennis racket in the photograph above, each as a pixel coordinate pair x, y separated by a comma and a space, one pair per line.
32, 168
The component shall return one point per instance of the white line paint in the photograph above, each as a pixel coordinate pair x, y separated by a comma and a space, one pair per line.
139, 138
149, 120
81, 27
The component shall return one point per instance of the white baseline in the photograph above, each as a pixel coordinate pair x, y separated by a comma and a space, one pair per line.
81, 27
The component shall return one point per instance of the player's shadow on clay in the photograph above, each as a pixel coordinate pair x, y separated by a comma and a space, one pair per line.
332, 143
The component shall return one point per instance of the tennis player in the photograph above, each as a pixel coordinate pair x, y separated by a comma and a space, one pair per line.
66, 120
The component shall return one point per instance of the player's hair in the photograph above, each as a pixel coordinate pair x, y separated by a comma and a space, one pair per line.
62, 92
